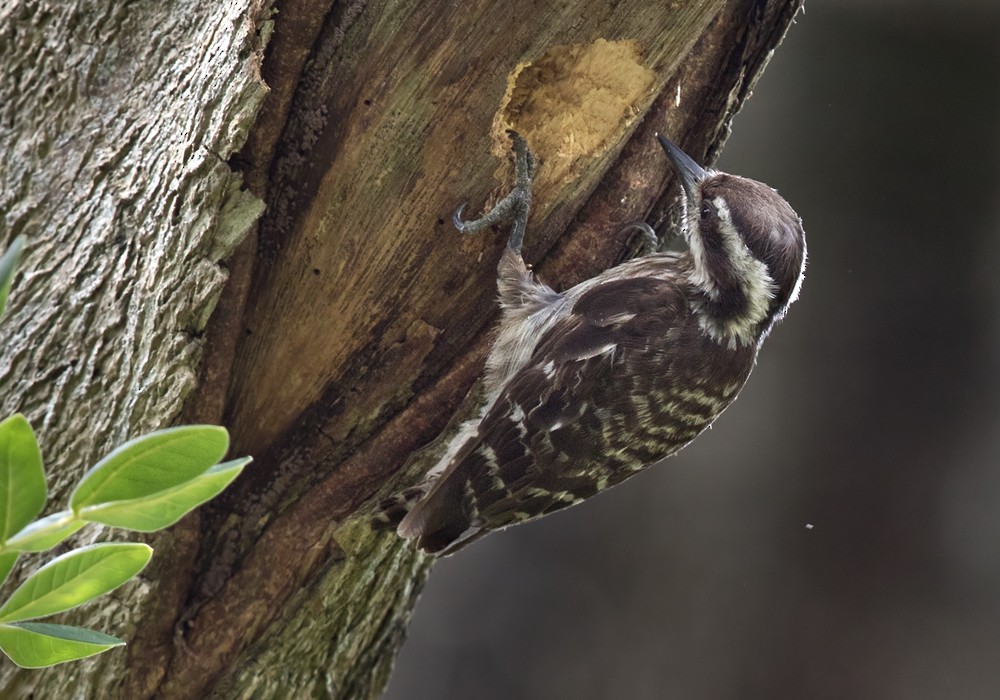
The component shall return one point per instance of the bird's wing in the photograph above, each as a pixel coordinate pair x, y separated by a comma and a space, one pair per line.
545, 442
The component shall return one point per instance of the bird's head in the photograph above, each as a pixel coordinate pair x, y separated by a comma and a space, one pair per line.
747, 244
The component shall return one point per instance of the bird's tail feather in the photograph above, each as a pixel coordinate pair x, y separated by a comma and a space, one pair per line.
393, 509
441, 518
439, 512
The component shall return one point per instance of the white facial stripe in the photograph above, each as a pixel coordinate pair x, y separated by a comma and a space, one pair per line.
756, 284
700, 277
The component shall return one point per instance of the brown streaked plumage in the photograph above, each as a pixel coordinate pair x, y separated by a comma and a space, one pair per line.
588, 386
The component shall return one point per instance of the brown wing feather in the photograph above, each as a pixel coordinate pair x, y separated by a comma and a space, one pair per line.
544, 443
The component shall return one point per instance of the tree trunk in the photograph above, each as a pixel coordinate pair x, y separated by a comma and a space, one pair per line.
355, 319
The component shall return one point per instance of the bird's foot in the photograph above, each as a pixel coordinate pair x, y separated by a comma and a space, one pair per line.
650, 241
515, 205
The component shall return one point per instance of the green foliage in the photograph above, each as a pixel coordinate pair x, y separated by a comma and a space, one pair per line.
22, 481
40, 644
164, 508
42, 535
75, 578
7, 561
135, 470
147, 484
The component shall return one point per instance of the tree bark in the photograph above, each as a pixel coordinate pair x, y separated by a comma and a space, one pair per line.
355, 320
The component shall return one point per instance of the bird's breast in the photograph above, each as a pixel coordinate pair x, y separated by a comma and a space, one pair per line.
657, 400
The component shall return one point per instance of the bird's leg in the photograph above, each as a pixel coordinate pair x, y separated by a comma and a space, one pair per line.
515, 205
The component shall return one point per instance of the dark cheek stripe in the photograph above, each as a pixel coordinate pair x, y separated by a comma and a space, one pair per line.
781, 254
732, 300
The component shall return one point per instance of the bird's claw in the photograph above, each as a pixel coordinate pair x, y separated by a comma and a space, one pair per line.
651, 242
456, 219
516, 204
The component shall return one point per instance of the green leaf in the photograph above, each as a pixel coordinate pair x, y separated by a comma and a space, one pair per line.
7, 561
46, 533
75, 578
166, 507
22, 479
39, 644
8, 264
151, 463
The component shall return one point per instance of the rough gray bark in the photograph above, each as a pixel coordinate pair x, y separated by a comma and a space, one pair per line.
354, 322
115, 122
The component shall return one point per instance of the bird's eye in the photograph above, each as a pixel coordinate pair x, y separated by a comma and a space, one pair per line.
706, 210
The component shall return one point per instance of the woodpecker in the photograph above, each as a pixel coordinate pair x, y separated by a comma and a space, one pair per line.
586, 387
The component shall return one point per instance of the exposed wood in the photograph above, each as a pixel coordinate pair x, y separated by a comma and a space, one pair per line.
356, 319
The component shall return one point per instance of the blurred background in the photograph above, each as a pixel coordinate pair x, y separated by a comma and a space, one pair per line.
837, 533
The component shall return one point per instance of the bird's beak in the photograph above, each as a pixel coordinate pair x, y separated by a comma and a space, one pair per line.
687, 170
